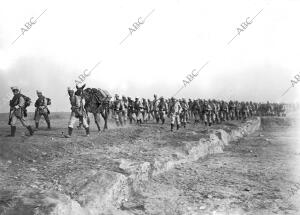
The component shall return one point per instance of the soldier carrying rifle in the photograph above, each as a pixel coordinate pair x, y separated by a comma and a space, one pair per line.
18, 105
41, 105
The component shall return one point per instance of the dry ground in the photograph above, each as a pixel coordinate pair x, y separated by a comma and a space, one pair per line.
252, 176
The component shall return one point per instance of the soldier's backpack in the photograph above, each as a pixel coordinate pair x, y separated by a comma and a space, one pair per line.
48, 101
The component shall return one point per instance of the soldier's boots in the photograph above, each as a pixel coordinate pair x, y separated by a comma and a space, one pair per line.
30, 130
37, 125
172, 126
70, 131
184, 124
162, 121
49, 125
12, 131
157, 120
178, 126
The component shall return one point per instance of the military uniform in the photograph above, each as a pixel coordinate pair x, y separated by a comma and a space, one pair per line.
162, 109
184, 114
244, 110
145, 110
118, 108
139, 110
196, 111
174, 112
156, 109
125, 109
237, 110
77, 112
41, 110
207, 113
131, 113
224, 111
150, 112
232, 110
17, 107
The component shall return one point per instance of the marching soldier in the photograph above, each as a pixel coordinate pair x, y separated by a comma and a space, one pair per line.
237, 110
190, 103
244, 110
207, 113
139, 110
78, 112
41, 105
125, 110
232, 109
155, 108
150, 113
224, 111
131, 114
18, 112
184, 114
196, 111
118, 108
174, 113
162, 108
145, 110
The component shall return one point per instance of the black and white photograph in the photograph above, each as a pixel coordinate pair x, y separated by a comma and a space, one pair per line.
167, 107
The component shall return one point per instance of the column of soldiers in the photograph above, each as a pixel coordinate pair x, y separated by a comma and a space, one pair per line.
140, 111
181, 111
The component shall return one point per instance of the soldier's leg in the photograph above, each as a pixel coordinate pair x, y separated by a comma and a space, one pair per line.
85, 125
172, 121
47, 119
145, 116
157, 116
209, 119
71, 123
221, 116
13, 126
37, 119
195, 116
205, 119
116, 116
125, 114
163, 117
24, 123
120, 116
183, 118
177, 121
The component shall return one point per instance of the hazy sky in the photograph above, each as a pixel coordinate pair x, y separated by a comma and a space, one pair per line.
178, 37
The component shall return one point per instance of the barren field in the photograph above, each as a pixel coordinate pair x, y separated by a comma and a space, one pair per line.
234, 168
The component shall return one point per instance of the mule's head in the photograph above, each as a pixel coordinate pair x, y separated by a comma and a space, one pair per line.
79, 91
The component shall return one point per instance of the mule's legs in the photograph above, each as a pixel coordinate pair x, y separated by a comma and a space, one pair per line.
97, 120
105, 117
